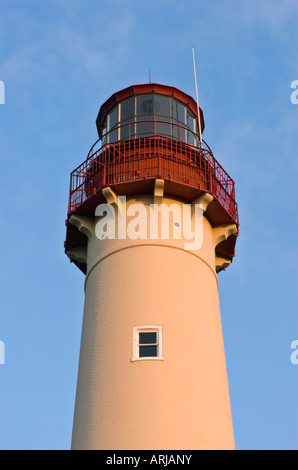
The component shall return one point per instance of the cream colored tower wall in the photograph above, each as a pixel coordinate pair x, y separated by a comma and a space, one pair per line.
181, 402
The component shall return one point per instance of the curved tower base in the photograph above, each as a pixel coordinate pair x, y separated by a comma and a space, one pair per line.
178, 399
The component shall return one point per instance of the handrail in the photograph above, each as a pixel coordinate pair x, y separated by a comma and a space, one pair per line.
104, 139
103, 157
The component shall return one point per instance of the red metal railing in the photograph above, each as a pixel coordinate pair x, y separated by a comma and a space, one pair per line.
176, 157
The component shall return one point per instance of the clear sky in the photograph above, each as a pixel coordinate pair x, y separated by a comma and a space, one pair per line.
59, 61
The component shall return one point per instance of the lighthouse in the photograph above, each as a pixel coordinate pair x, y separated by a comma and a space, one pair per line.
152, 221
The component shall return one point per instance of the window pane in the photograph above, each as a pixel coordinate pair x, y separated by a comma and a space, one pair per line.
113, 117
190, 138
162, 105
148, 351
127, 108
104, 131
179, 132
145, 104
113, 136
179, 111
145, 129
190, 121
163, 128
127, 130
147, 338
176, 130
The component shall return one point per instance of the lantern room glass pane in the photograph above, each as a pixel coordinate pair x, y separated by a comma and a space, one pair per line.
162, 105
162, 128
179, 112
176, 131
144, 104
179, 131
127, 117
127, 109
113, 118
190, 121
191, 126
113, 123
145, 129
113, 136
127, 130
163, 112
104, 131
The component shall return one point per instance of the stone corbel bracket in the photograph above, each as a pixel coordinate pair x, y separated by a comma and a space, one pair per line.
112, 198
86, 226
221, 263
83, 224
78, 254
223, 232
158, 194
203, 200
220, 234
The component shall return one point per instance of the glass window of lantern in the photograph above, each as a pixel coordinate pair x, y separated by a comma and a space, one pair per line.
191, 126
162, 105
127, 116
144, 111
127, 109
179, 119
113, 115
104, 131
163, 112
179, 112
144, 104
112, 123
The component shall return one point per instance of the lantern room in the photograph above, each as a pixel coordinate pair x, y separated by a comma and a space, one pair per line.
149, 132
145, 110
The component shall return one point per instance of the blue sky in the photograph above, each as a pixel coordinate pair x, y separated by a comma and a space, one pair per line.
59, 61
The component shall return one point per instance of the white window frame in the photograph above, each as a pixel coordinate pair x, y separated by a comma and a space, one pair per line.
136, 346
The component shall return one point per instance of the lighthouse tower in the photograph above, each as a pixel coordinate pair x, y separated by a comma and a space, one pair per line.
152, 220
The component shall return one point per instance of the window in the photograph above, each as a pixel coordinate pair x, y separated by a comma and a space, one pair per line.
145, 104
147, 343
150, 114
144, 110
179, 110
163, 105
127, 118
113, 124
191, 125
104, 132
127, 109
179, 119
163, 112
113, 117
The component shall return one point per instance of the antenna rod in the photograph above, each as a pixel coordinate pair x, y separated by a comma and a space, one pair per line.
198, 106
149, 75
